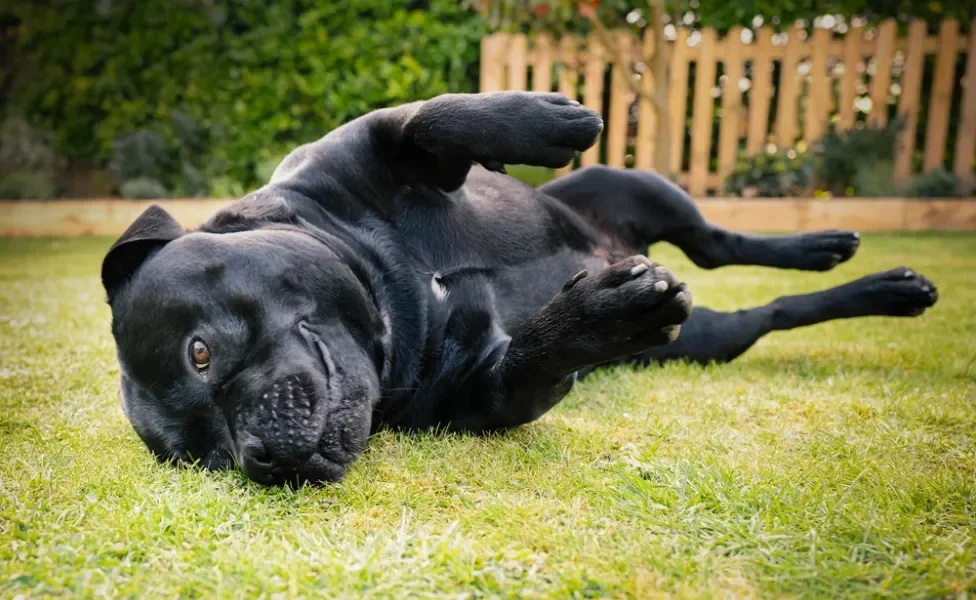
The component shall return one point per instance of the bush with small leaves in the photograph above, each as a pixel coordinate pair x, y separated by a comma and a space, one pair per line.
934, 184
771, 175
27, 185
143, 188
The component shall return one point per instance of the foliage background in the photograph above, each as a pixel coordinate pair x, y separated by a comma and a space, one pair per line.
226, 84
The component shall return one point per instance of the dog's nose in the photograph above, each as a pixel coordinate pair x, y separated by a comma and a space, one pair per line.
255, 460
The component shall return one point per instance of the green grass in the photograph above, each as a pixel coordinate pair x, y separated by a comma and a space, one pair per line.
829, 461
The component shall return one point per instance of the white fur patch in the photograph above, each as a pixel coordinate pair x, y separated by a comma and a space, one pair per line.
440, 292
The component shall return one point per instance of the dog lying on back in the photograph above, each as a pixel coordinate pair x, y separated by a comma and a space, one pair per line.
382, 280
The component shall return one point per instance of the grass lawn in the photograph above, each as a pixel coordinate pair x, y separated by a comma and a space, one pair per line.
829, 461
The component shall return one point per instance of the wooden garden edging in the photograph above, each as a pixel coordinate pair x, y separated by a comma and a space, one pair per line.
110, 217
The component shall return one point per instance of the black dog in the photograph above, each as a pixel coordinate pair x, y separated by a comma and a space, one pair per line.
380, 280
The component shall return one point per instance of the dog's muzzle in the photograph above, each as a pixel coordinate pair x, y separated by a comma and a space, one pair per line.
283, 428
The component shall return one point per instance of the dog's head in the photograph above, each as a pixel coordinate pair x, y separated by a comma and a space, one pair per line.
262, 347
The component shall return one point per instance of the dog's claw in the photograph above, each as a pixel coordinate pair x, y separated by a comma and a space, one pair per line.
661, 286
576, 279
497, 167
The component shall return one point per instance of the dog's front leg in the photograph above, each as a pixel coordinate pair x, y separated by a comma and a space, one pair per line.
438, 140
629, 307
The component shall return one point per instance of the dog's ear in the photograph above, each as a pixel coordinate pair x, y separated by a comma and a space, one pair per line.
153, 229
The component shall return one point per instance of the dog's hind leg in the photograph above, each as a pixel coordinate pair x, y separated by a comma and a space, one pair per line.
638, 208
712, 336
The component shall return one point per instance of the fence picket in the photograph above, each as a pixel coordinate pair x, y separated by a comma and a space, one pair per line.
542, 64
593, 91
518, 54
759, 93
678, 98
728, 135
941, 98
568, 77
881, 82
620, 92
966, 138
647, 112
817, 98
786, 123
701, 137
848, 87
911, 89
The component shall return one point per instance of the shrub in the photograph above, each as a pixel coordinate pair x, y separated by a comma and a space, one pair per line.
226, 83
140, 154
143, 188
840, 156
773, 175
875, 180
934, 184
27, 185
25, 148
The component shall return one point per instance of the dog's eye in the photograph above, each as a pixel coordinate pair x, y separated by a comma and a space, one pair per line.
199, 354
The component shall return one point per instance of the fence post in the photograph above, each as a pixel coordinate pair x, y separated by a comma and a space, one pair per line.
759, 96
966, 138
492, 62
884, 51
728, 135
701, 135
568, 77
593, 92
542, 64
786, 112
817, 99
647, 117
678, 98
911, 88
619, 101
941, 98
848, 86
518, 68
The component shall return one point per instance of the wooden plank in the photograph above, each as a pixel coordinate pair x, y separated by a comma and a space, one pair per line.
701, 135
595, 71
817, 103
881, 82
492, 62
542, 63
911, 88
848, 85
728, 134
759, 93
678, 98
111, 216
647, 113
518, 67
786, 123
620, 96
966, 137
940, 215
568, 77
940, 101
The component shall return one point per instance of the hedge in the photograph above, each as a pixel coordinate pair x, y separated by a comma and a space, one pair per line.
212, 92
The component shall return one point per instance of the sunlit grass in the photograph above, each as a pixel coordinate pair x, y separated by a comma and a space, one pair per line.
828, 461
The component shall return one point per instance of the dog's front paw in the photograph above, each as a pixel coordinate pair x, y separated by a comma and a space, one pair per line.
632, 305
553, 126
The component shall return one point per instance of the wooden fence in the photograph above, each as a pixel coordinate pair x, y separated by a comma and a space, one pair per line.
769, 88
